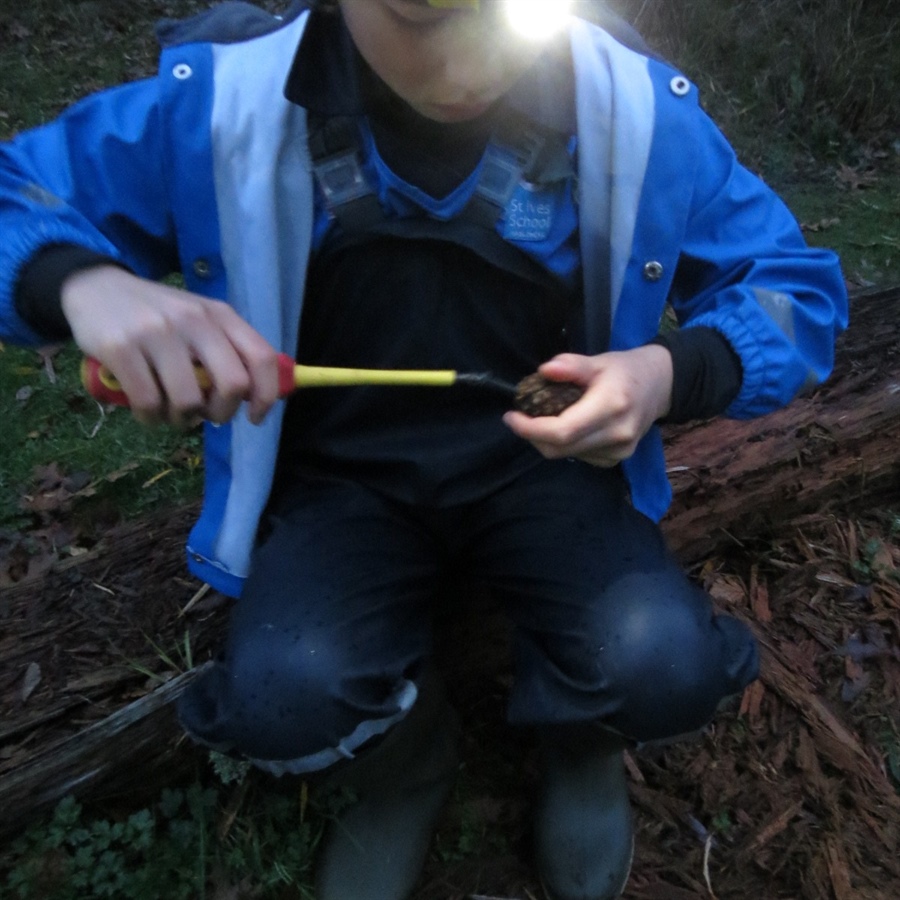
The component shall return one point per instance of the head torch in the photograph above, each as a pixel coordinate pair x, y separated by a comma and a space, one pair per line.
530, 18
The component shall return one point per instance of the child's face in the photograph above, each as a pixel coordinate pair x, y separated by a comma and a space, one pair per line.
448, 64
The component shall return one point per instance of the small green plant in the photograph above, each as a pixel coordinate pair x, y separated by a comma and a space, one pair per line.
228, 769
178, 661
466, 842
873, 563
893, 760
473, 830
152, 853
722, 823
189, 844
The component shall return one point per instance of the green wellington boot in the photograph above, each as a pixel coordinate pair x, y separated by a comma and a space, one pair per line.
375, 849
583, 831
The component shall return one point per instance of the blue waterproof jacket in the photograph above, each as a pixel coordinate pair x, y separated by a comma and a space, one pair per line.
205, 168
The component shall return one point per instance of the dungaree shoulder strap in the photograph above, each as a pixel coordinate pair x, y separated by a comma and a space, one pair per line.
518, 151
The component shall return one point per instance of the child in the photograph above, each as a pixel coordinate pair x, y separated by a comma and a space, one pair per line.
408, 184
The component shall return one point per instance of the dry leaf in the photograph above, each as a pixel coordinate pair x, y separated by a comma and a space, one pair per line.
728, 590
46, 355
853, 179
751, 702
31, 680
759, 597
821, 225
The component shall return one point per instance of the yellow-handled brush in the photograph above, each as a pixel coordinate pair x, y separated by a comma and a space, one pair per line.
103, 385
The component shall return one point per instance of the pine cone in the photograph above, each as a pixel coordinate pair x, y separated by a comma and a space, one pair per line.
537, 396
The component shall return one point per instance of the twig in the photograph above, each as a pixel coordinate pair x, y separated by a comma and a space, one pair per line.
231, 811
706, 850
100, 421
486, 897
204, 589
640, 12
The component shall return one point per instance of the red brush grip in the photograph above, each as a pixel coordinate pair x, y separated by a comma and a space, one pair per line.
100, 383
285, 375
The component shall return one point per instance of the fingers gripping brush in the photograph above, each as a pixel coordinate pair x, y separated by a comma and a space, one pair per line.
533, 395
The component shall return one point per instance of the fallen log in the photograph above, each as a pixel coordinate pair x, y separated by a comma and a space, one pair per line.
133, 746
87, 672
837, 449
733, 481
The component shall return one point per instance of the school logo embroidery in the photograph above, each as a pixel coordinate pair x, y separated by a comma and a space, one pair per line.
530, 214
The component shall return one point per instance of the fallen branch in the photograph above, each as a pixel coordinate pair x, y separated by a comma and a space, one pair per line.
112, 756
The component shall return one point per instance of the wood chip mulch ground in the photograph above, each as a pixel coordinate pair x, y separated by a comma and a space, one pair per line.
791, 793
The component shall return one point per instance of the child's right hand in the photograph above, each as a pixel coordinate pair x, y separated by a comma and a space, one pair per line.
150, 335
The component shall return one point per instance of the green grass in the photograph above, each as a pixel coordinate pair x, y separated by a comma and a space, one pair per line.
824, 75
118, 468
860, 223
54, 53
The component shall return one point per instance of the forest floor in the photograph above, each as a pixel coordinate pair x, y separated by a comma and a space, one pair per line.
790, 793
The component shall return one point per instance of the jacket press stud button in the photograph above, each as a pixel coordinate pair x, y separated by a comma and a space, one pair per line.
182, 71
201, 268
680, 86
653, 270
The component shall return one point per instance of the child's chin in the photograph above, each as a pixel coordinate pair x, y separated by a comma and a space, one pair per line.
449, 113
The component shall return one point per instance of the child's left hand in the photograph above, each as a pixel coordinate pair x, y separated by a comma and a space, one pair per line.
625, 393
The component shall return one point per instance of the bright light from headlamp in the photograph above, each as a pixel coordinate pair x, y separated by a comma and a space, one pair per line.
538, 19
532, 19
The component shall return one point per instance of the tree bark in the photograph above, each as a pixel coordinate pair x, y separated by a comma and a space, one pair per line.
120, 755
737, 480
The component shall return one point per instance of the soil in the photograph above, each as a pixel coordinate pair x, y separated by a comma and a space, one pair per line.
790, 793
